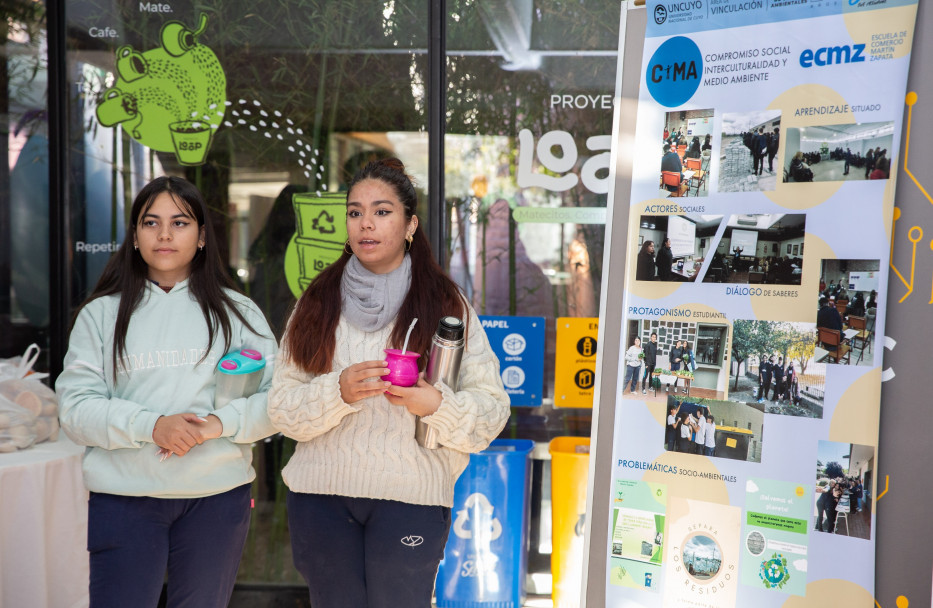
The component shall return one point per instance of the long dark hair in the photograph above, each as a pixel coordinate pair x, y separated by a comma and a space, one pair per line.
126, 272
310, 338
644, 248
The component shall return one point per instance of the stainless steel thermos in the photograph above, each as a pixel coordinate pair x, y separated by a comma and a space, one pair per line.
444, 366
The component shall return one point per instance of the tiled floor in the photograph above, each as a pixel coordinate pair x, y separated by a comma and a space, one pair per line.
834, 171
266, 596
536, 601
856, 525
735, 170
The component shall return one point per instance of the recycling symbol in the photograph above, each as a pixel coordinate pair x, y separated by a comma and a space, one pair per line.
324, 223
484, 526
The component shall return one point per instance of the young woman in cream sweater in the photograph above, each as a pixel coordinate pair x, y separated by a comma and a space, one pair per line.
368, 508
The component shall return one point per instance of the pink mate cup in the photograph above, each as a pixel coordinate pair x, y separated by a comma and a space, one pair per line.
403, 368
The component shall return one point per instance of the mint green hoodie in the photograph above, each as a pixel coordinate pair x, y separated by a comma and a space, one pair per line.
161, 375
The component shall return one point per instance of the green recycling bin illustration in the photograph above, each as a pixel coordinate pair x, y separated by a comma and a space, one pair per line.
171, 98
320, 236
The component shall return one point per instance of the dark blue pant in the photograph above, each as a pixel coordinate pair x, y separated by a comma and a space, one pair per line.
765, 388
631, 377
648, 375
134, 539
364, 552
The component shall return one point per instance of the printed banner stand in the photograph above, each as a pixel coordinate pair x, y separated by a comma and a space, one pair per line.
755, 296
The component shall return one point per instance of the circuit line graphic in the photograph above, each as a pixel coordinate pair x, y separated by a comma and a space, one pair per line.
913, 255
887, 480
910, 100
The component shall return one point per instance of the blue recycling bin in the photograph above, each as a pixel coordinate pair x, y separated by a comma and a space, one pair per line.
486, 557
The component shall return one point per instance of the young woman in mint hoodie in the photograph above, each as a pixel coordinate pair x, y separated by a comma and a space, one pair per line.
139, 386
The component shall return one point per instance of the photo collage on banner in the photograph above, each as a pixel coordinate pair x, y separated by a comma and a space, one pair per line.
744, 451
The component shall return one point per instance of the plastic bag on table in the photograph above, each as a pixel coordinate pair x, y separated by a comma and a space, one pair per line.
37, 399
17, 427
20, 367
32, 395
23, 387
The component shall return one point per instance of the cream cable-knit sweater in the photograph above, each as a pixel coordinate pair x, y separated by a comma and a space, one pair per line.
367, 449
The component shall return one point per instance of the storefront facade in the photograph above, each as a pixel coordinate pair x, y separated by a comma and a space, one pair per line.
501, 110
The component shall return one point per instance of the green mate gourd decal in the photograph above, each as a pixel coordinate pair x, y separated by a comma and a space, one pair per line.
171, 98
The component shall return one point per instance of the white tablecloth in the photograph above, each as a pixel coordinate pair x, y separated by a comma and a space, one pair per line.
43, 527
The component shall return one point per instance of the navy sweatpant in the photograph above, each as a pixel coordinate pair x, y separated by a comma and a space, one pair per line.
133, 540
365, 552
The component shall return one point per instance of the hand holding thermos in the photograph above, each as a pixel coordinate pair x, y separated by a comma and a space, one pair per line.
443, 365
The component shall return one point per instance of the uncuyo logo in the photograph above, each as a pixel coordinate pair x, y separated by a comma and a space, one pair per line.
660, 14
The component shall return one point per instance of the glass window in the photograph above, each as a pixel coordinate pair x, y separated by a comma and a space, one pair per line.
24, 184
269, 108
529, 123
529, 120
710, 340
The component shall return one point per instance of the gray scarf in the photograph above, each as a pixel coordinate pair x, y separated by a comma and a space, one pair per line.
371, 301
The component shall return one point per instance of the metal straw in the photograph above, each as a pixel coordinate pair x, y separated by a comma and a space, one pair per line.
408, 335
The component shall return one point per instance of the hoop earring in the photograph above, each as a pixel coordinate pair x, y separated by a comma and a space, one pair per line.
346, 248
409, 240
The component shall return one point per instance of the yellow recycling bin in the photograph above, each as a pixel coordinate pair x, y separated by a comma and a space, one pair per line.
570, 462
